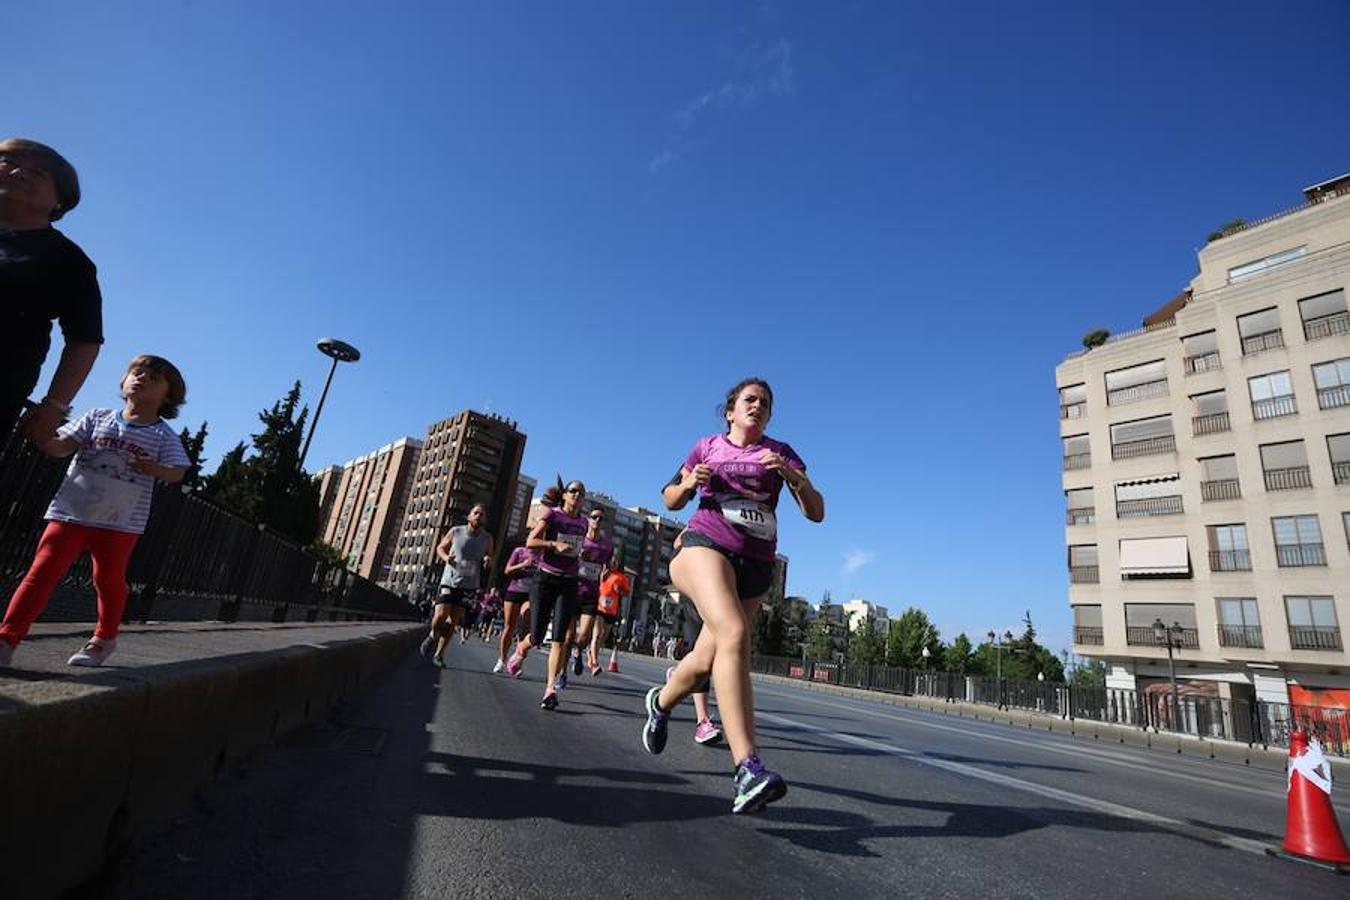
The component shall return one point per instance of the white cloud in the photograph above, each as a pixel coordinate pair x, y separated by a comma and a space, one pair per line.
854, 560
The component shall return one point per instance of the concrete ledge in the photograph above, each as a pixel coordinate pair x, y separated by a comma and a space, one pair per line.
87, 761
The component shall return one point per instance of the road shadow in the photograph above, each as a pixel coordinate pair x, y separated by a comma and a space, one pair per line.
1001, 763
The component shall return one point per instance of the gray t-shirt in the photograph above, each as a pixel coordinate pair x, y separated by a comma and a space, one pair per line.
467, 549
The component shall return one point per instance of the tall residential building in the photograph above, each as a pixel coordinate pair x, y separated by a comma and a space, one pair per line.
466, 459
1206, 471
857, 610
516, 522
362, 502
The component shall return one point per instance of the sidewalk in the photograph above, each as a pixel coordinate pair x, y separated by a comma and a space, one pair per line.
87, 756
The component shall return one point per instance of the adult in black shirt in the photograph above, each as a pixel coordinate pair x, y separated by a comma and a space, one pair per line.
43, 276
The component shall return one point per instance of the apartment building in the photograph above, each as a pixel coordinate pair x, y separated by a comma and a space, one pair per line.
1206, 471
362, 503
517, 521
468, 458
857, 611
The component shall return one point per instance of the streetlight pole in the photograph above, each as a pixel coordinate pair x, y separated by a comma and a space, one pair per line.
1165, 635
998, 643
338, 351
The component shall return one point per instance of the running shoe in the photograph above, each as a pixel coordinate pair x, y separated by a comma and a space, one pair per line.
756, 787
560, 683
428, 644
707, 732
438, 662
654, 731
576, 664
550, 701
94, 653
496, 669
514, 664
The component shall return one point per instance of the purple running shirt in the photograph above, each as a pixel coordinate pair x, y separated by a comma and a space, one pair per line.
737, 508
520, 584
559, 526
594, 555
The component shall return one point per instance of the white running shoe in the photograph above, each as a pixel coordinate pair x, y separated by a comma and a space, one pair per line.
499, 667
6, 655
94, 653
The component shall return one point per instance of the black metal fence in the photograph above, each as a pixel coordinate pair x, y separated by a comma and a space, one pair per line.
1254, 722
195, 562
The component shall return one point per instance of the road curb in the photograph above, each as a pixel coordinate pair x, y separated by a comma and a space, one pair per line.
88, 762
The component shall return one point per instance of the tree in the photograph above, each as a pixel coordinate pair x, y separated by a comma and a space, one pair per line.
957, 656
1095, 338
1091, 674
820, 642
766, 636
908, 636
1225, 229
325, 552
867, 646
193, 444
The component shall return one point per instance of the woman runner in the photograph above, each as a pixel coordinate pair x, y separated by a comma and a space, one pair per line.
595, 552
725, 565
519, 569
614, 586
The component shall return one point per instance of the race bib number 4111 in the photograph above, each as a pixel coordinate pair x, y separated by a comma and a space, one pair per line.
751, 517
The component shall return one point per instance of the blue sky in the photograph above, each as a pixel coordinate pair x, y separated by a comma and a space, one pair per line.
595, 217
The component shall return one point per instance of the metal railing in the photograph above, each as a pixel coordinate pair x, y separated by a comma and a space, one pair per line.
1221, 489
1340, 472
1073, 410
1084, 575
1288, 479
1143, 636
1077, 461
1149, 506
1293, 556
1259, 343
1326, 326
1144, 391
1203, 362
1333, 397
1314, 637
1274, 407
1213, 423
1230, 560
1088, 635
1083, 515
1243, 636
1147, 447
196, 561
1252, 722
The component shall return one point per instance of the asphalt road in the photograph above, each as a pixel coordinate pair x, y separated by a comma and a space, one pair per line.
455, 784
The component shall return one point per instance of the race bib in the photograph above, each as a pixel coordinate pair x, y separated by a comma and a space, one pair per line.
574, 541
609, 605
589, 571
98, 499
752, 517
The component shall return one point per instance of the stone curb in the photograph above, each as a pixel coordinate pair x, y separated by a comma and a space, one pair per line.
85, 764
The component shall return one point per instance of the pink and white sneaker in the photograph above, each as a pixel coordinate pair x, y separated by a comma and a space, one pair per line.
513, 665
707, 732
95, 653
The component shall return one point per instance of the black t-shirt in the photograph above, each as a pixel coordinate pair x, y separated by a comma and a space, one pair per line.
43, 276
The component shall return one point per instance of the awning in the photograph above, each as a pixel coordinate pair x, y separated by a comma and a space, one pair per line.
1154, 556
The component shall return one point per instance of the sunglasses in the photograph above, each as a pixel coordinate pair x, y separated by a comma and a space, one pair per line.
597, 517
574, 491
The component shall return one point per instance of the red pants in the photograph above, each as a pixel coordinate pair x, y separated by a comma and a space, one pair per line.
61, 544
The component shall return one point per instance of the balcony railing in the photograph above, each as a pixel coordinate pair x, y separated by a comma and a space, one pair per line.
1314, 637
1211, 424
1084, 575
1083, 515
1274, 407
1244, 636
1230, 560
1221, 489
1142, 636
1136, 392
1293, 556
1259, 343
1149, 506
1332, 397
1340, 472
1077, 461
1087, 634
1072, 410
1290, 479
1203, 362
1327, 326
1147, 447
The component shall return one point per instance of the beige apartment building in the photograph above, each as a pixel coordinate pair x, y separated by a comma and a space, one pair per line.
362, 505
1207, 471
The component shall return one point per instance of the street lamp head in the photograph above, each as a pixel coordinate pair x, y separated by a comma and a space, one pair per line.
1040, 676
992, 636
338, 350
925, 652
1007, 637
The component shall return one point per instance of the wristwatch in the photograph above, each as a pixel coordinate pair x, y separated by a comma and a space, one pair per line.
64, 408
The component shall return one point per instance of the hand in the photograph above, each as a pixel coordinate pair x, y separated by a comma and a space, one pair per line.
563, 548
775, 463
699, 475
40, 422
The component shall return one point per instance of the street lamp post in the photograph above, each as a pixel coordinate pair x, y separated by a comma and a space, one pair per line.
1164, 634
338, 351
998, 643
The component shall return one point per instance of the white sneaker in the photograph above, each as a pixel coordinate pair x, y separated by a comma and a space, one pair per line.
94, 653
6, 655
497, 669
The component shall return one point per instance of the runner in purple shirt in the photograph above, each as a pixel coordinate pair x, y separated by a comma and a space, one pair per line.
725, 566
520, 568
595, 552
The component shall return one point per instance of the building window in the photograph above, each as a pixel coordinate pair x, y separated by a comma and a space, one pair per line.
1312, 623
1201, 352
1228, 550
1265, 264
1239, 623
1260, 331
1073, 401
1142, 437
1338, 448
1083, 564
1159, 496
1272, 396
1077, 452
1080, 509
1298, 541
1139, 619
1220, 478
1285, 466
1149, 558
1142, 382
1324, 316
1333, 383
1087, 625
1211, 413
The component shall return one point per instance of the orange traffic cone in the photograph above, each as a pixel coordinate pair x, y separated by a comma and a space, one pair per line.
614, 659
1312, 834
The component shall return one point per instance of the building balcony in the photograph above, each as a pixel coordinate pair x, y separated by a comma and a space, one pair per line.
1136, 392
1202, 362
1327, 326
1340, 472
1290, 479
1314, 637
1221, 489
1072, 410
1077, 461
1146, 447
1230, 560
1333, 397
1260, 343
1087, 635
1274, 407
1295, 556
1213, 423
1149, 506
1246, 637
1083, 515
1084, 575
1142, 636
